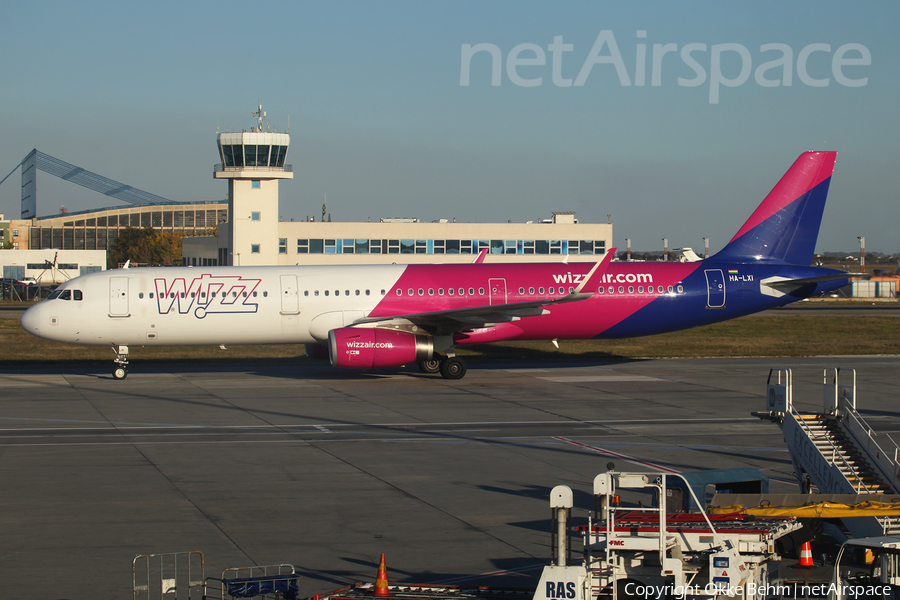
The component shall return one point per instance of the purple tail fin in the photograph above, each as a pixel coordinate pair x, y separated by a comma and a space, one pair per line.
785, 226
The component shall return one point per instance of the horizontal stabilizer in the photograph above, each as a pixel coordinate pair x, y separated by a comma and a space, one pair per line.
779, 286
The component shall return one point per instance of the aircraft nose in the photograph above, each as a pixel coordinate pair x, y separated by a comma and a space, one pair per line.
31, 320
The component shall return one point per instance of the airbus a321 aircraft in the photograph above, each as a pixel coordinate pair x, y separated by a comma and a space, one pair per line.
381, 316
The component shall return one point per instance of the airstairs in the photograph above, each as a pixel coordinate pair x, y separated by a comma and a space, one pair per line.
836, 450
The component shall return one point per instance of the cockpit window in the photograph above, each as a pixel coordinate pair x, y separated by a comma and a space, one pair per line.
66, 295
76, 295
54, 294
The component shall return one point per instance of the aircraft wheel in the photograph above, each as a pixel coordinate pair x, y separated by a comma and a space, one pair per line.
430, 366
119, 372
453, 368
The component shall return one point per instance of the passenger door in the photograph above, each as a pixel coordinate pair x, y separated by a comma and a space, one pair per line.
715, 285
118, 297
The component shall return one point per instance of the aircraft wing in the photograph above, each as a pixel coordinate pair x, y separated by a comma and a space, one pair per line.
447, 321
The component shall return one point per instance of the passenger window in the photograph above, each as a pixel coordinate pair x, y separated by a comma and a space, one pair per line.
151, 295
462, 292
367, 292
531, 290
541, 291
421, 292
265, 294
680, 289
194, 294
326, 292
522, 291
660, 289
601, 289
571, 290
630, 289
640, 289
399, 292
357, 292
140, 295
450, 291
621, 289
171, 294
412, 292
234, 294
612, 289
202, 295
670, 289
481, 291
440, 291
471, 291
382, 292
76, 294
337, 292
431, 291
316, 293
346, 292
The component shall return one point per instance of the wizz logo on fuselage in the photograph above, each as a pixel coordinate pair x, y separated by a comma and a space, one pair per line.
207, 294
577, 278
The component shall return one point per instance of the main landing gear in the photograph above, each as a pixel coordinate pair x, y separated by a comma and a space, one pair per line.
450, 367
120, 369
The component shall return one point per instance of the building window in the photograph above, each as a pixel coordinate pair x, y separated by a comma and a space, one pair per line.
254, 184
393, 246
254, 216
302, 246
282, 245
330, 246
421, 246
254, 248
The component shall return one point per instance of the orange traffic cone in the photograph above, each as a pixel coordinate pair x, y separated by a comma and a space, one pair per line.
806, 559
381, 582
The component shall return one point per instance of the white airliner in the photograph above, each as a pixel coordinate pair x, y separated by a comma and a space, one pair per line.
382, 316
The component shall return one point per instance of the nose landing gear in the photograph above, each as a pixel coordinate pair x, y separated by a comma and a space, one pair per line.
120, 368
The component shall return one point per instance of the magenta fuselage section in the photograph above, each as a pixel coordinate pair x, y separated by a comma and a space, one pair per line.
626, 289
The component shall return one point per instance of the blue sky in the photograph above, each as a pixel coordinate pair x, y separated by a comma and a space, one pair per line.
380, 122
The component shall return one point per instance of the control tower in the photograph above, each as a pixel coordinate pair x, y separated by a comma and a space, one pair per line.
252, 162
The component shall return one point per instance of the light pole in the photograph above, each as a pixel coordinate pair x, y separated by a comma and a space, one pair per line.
706, 247
628, 249
862, 252
665, 249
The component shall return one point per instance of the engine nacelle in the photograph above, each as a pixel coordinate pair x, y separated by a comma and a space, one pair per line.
362, 348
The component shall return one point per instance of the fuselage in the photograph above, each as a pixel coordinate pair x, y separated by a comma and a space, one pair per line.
301, 304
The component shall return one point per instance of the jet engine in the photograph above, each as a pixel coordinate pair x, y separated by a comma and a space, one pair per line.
362, 348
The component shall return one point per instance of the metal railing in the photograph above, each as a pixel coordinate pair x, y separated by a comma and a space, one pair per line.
220, 168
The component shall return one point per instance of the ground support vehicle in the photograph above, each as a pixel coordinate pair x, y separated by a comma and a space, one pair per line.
648, 552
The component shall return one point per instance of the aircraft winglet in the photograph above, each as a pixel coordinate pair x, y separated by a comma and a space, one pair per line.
603, 263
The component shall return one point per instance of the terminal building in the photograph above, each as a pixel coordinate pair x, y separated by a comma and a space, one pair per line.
246, 227
253, 164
